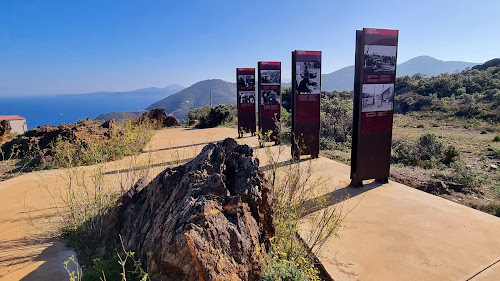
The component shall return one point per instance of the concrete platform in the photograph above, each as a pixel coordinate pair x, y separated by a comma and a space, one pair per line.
393, 232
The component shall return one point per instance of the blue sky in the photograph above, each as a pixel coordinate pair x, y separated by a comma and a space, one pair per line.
63, 47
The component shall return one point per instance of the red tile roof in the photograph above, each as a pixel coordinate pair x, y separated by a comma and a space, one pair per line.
11, 117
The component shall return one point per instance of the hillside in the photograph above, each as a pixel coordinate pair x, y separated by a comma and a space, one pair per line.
119, 115
430, 66
197, 95
343, 79
470, 93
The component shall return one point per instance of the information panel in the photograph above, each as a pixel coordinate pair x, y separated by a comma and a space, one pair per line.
245, 94
374, 81
269, 98
306, 96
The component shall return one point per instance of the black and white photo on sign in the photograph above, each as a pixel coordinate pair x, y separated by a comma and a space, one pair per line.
308, 75
270, 97
247, 97
270, 77
377, 97
246, 81
380, 59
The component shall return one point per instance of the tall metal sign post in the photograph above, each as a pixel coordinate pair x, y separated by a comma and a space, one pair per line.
306, 96
245, 95
269, 99
374, 80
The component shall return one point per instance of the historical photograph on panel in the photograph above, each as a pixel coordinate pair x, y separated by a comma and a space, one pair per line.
246, 81
247, 97
377, 97
270, 97
380, 59
270, 77
308, 75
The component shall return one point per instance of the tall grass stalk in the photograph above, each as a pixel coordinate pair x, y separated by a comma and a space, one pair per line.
294, 189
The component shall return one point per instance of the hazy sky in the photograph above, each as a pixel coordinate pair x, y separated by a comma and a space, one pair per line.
62, 47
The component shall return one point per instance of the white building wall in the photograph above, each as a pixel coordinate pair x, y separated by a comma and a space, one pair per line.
18, 126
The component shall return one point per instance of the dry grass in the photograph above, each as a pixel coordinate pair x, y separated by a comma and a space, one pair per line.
477, 160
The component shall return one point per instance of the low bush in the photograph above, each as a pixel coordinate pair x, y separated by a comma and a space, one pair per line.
429, 146
221, 114
284, 270
404, 152
428, 152
492, 208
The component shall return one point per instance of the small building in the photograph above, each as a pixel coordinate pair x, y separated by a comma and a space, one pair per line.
17, 123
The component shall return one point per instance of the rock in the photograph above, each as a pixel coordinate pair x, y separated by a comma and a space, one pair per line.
160, 118
209, 219
5, 130
158, 114
468, 166
171, 121
493, 166
458, 187
39, 142
109, 124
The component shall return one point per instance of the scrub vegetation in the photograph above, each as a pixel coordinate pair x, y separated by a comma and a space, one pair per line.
445, 134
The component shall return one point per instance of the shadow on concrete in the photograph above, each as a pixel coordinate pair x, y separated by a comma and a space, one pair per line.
168, 163
53, 258
177, 147
336, 196
282, 163
139, 168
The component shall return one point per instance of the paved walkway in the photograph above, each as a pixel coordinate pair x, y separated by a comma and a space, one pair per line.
392, 232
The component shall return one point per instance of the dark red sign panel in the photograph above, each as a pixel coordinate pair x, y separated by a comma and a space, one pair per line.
269, 98
245, 91
306, 91
375, 75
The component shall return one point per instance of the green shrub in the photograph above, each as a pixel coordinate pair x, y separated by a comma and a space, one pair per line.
113, 268
496, 138
283, 270
221, 114
336, 118
198, 113
492, 208
429, 146
451, 154
404, 152
466, 177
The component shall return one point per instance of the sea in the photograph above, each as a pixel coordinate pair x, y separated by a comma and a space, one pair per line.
57, 109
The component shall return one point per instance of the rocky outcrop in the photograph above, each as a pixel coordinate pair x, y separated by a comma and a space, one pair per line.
39, 142
160, 118
209, 219
171, 121
5, 129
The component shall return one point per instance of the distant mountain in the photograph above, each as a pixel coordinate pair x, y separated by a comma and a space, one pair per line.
147, 93
119, 115
197, 95
340, 80
431, 66
343, 79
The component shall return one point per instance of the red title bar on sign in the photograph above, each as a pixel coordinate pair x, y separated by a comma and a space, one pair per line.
308, 53
269, 62
377, 31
